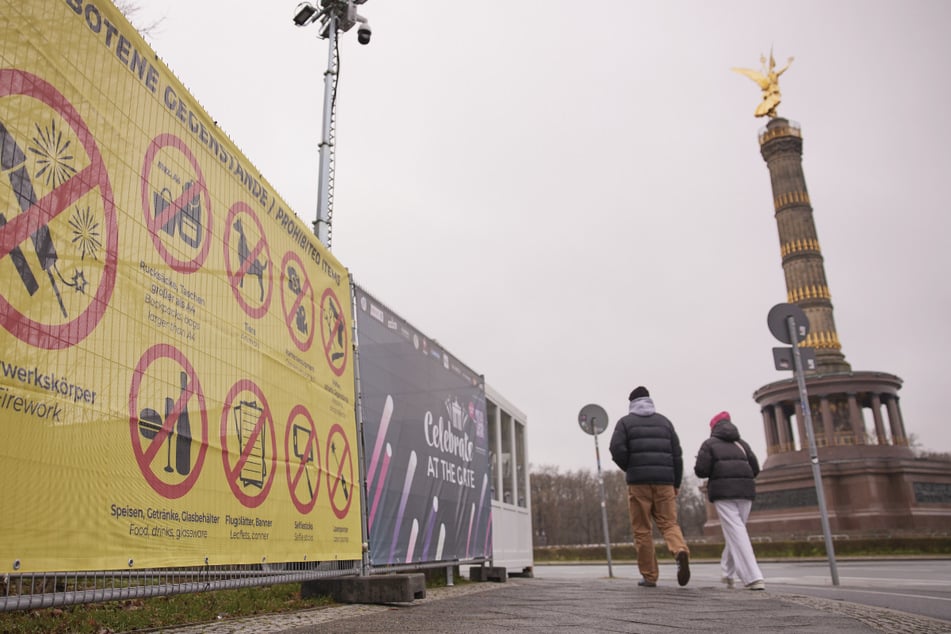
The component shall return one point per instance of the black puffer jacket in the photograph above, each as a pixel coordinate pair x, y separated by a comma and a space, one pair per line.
646, 447
728, 463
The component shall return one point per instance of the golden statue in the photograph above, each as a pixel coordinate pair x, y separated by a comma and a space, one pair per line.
768, 81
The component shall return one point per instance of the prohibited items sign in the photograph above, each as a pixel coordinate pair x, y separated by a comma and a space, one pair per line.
176, 203
303, 459
333, 332
248, 260
297, 301
341, 472
58, 229
168, 421
248, 447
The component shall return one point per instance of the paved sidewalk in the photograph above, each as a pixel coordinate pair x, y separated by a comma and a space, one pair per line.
595, 605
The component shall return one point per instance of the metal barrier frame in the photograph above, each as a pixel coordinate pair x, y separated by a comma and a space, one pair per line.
31, 591
49, 589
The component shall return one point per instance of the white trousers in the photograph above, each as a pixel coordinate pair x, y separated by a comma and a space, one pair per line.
738, 560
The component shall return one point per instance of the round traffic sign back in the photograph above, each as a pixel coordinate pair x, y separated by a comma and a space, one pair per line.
593, 419
776, 320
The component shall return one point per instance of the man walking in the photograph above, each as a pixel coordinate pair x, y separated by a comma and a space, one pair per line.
646, 447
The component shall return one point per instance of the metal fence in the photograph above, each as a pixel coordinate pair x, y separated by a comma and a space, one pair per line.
30, 591
42, 590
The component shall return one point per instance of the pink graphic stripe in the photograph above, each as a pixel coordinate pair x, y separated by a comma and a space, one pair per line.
407, 485
412, 541
429, 527
380, 438
379, 488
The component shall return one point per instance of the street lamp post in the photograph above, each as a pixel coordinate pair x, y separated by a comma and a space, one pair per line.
333, 16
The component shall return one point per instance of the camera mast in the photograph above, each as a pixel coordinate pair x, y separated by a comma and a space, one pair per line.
333, 16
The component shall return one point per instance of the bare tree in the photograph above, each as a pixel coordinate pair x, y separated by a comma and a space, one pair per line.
129, 9
619, 518
918, 448
566, 507
691, 507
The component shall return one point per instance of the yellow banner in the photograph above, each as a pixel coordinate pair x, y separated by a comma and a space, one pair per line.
176, 363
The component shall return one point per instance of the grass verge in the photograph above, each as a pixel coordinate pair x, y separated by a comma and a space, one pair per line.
160, 612
895, 547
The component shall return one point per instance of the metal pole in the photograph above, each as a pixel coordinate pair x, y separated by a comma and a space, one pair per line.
322, 224
813, 452
365, 565
604, 510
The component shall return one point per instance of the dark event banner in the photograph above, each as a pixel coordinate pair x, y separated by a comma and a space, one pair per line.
426, 444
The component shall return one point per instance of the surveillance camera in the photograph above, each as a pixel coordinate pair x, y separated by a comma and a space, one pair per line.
305, 14
363, 33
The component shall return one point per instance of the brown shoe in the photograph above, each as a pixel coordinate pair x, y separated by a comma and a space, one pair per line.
683, 567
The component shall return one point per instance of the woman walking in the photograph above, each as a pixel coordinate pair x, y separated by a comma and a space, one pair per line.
730, 466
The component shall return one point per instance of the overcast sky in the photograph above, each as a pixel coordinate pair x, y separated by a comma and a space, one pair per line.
570, 196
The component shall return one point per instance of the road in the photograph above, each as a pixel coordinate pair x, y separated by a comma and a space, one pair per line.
916, 586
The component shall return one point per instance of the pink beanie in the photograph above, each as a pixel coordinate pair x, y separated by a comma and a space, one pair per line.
721, 416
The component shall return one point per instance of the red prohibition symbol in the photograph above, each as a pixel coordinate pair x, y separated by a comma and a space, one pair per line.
333, 332
247, 422
185, 217
253, 260
33, 221
300, 441
297, 301
158, 432
340, 472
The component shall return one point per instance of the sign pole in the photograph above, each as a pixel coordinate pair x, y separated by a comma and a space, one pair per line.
604, 510
594, 420
813, 452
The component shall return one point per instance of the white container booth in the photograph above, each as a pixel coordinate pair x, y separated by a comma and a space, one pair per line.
511, 493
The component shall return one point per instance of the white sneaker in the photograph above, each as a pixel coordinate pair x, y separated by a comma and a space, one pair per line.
759, 584
728, 581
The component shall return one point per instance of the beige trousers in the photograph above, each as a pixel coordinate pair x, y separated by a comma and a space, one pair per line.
657, 503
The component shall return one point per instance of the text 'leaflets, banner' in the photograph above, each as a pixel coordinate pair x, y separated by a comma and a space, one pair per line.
425, 433
163, 401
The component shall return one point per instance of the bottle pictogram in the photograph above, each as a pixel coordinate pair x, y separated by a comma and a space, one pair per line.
151, 423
